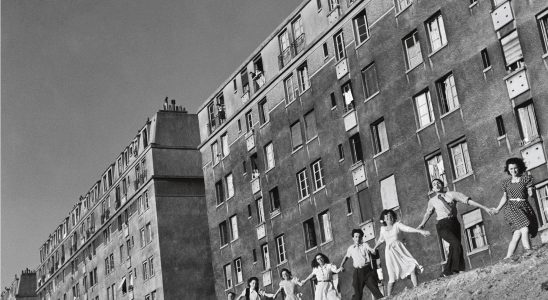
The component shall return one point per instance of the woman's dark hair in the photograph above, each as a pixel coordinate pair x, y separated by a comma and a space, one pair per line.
256, 285
288, 273
315, 263
438, 180
358, 231
388, 212
515, 161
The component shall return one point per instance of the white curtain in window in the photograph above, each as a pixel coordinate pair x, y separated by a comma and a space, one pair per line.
389, 194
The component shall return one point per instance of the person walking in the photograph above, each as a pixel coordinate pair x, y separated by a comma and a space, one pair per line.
364, 274
399, 262
448, 226
323, 270
252, 291
518, 212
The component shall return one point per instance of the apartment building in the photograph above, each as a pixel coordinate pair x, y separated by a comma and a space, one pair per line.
22, 287
352, 107
139, 232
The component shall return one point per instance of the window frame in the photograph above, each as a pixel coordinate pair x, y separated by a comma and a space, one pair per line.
465, 158
326, 231
370, 89
379, 136
407, 50
447, 106
302, 184
280, 249
340, 47
357, 34
318, 177
439, 159
310, 237
441, 36
418, 108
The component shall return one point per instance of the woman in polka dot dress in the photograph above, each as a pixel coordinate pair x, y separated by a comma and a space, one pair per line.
518, 212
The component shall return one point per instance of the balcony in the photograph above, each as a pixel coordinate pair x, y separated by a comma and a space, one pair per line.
358, 172
341, 68
516, 83
256, 185
334, 15
284, 57
502, 16
261, 231
350, 120
250, 140
299, 43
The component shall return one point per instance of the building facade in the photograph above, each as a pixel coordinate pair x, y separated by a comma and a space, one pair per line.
22, 287
141, 229
352, 107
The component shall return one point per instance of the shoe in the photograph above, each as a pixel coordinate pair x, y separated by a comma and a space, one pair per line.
421, 268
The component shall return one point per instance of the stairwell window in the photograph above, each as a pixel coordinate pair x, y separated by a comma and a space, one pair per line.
412, 50
296, 135
436, 32
511, 48
219, 192
423, 109
447, 93
310, 125
269, 154
224, 145
263, 112
215, 155
223, 232
274, 200
349, 103
234, 228
356, 148
266, 256
298, 34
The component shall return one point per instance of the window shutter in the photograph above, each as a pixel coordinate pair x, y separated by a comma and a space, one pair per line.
511, 48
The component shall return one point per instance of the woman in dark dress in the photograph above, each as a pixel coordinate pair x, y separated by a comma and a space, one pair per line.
518, 212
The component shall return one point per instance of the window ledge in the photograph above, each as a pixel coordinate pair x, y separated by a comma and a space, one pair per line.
311, 139
220, 204
424, 127
349, 214
229, 198
341, 160
403, 10
223, 246
450, 112
266, 171
302, 199
545, 55
372, 96
473, 4
366, 40
296, 149
305, 90
333, 107
487, 69
502, 137
463, 177
237, 284
326, 242
264, 124
514, 72
413, 68
275, 213
311, 249
380, 153
289, 103
281, 264
320, 189
533, 141
437, 50
475, 251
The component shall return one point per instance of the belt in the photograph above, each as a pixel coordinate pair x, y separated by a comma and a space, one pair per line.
325, 280
517, 200
362, 266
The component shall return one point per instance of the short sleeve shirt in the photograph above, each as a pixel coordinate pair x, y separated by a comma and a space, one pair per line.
517, 190
323, 273
359, 255
451, 198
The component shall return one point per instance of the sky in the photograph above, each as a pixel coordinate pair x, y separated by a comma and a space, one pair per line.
80, 77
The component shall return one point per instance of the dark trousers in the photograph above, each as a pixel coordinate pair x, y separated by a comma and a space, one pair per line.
365, 276
449, 230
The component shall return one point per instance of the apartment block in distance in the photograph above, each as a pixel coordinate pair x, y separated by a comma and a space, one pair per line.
352, 107
140, 232
22, 287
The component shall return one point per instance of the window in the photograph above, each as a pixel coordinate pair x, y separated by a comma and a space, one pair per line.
239, 126
333, 4
148, 230
298, 34
319, 4
290, 91
310, 125
389, 193
296, 135
269, 154
461, 159
266, 256
258, 73
340, 51
325, 227
249, 211
263, 112
436, 32
348, 206
285, 50
325, 51
245, 81
234, 85
412, 48
500, 126
280, 247
151, 266
248, 121
215, 155
348, 97
309, 234
233, 228
211, 117
317, 173
219, 192
356, 148
542, 201
423, 108
229, 186
302, 184
254, 253
244, 167
527, 122
360, 27
153, 295
302, 75
447, 92
228, 276
485, 59
274, 199
370, 81
380, 139
238, 270
436, 169
224, 145
260, 210
475, 231
223, 231
402, 4
341, 152
543, 26
512, 51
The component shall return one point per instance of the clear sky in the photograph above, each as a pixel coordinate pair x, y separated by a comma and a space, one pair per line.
80, 77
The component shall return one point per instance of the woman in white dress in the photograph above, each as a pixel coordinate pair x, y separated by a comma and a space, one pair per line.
288, 285
399, 262
323, 270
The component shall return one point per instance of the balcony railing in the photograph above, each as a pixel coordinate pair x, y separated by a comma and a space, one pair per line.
299, 43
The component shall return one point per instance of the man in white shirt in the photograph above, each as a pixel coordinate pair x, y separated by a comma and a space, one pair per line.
364, 275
